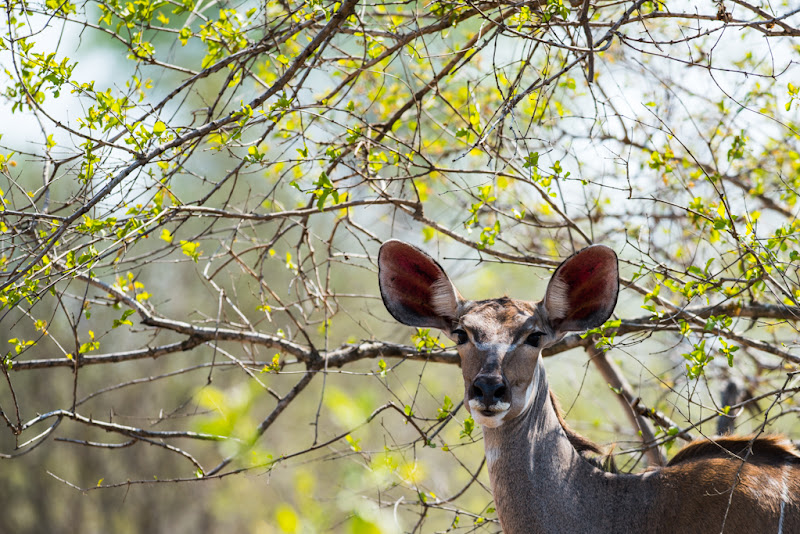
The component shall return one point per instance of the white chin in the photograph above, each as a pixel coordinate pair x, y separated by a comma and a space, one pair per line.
490, 421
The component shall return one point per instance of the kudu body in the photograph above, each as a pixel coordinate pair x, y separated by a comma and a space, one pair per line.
541, 481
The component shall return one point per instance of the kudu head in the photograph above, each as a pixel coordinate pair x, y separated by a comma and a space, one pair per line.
499, 340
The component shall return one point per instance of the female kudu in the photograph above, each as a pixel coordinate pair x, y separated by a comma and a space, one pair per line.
540, 480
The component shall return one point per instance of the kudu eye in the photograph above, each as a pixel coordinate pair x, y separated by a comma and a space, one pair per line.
534, 339
461, 336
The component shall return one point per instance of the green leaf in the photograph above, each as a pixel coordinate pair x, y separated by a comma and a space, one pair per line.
273, 367
446, 408
191, 249
467, 428
184, 35
353, 443
124, 319
531, 161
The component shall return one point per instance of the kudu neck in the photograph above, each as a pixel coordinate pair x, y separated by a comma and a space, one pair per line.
538, 420
540, 481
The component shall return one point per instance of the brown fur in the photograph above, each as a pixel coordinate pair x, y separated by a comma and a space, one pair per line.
763, 450
759, 495
771, 450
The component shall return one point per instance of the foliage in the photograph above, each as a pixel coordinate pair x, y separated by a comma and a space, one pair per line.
193, 195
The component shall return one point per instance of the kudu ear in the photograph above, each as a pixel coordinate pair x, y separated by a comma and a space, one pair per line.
583, 291
414, 288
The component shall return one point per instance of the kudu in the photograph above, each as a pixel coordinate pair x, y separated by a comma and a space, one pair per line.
541, 481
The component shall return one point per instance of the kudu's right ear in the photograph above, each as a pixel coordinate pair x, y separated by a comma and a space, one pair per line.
414, 288
583, 291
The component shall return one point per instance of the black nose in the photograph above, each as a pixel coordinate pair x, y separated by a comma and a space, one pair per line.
489, 390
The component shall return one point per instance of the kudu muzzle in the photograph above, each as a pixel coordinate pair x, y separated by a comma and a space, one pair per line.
490, 393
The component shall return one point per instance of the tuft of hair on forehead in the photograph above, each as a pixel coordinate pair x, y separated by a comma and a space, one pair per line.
444, 299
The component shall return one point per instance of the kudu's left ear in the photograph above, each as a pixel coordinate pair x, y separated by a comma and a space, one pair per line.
414, 288
583, 291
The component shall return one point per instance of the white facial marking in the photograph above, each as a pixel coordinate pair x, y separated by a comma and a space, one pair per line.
530, 393
498, 409
478, 406
491, 421
499, 348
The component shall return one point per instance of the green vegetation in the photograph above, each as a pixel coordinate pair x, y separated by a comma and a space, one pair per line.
192, 196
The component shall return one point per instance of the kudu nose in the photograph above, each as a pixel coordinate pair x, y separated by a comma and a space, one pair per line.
489, 390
